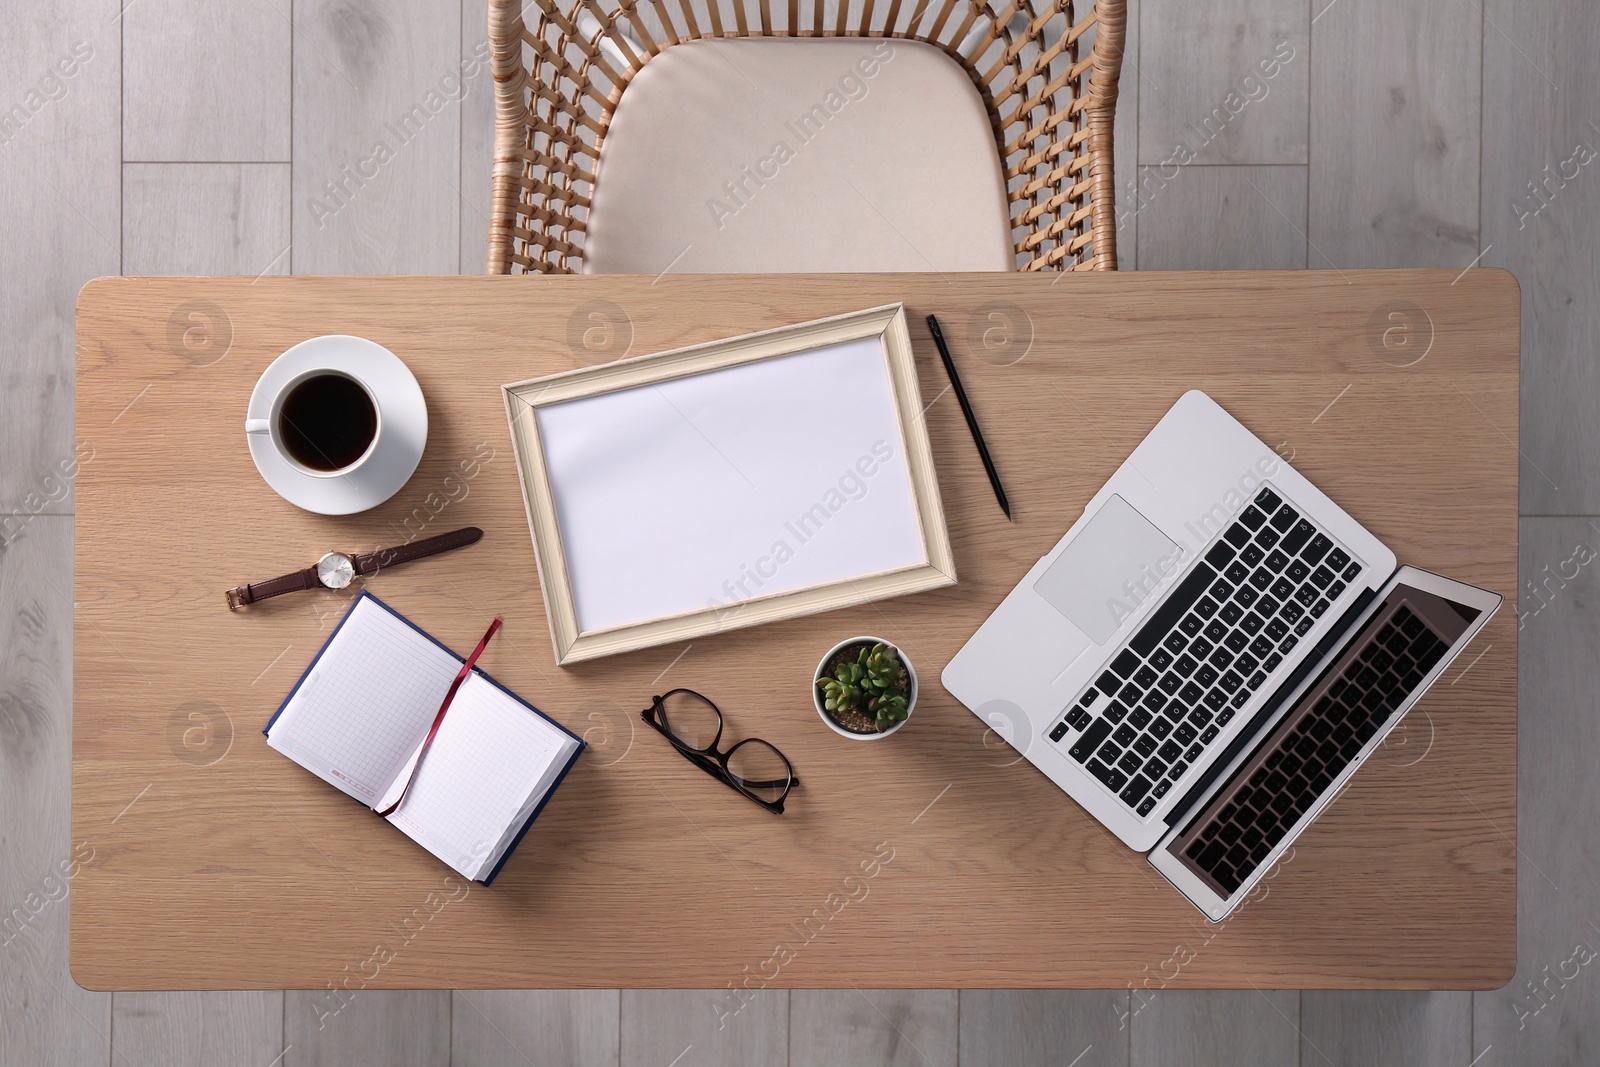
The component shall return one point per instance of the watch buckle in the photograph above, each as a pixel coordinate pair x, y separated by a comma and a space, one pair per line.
232, 596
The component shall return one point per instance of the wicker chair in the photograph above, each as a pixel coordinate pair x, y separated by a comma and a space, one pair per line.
1046, 70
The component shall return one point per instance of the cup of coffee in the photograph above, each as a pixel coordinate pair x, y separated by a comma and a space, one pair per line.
323, 422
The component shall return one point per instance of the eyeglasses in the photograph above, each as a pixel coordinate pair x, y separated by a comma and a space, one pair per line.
694, 726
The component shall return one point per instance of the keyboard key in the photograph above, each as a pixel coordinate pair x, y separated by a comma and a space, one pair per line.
1266, 537
1185, 665
1172, 609
1116, 712
1220, 590
1125, 735
1237, 536
1231, 613
1276, 629
1240, 699
1291, 612
1268, 607
1174, 643
1335, 589
1090, 740
1319, 607
1409, 624
1059, 732
1209, 736
1216, 630
1155, 700
1109, 752
1190, 625
1296, 539
1160, 728
1145, 677
1221, 658
1108, 684
1155, 767
1177, 770
1110, 776
1284, 518
1261, 578
1255, 680
1184, 733
1190, 694
1283, 589
1224, 717
1351, 571
1161, 788
1306, 594
1265, 643
1246, 597
1337, 560
1205, 607
1170, 750
1125, 664
1130, 762
1216, 699
1206, 675
1252, 517
1237, 640
1078, 718
1231, 682
1316, 549
1169, 683
1251, 624
1144, 744
1304, 626
1297, 571
1251, 554
1267, 500
1200, 648
1148, 806
1246, 663
1287, 644
1193, 751
1130, 695
1236, 573
1161, 659
1322, 577
1140, 717
1219, 554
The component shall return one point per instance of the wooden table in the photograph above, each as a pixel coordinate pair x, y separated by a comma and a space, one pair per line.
934, 859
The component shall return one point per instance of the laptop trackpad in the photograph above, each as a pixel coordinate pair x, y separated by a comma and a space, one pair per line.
1102, 577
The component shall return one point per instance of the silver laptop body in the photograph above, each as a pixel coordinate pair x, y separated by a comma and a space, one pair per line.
1211, 622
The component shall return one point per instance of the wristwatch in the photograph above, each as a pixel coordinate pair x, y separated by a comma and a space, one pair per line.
337, 570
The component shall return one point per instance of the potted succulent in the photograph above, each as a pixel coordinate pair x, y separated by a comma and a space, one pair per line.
864, 689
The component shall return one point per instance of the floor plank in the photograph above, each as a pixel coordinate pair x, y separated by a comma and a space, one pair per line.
1216, 1028
44, 1016
704, 1028
194, 1029
376, 137
217, 89
367, 1028
477, 136
1039, 1027
59, 72
206, 218
1393, 1028
1550, 1011
521, 1028
1540, 125
1234, 80
1394, 133
873, 1027
1223, 218
1125, 138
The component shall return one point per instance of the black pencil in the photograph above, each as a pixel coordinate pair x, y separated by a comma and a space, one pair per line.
972, 420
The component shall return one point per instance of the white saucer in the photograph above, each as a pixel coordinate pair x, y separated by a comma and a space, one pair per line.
403, 413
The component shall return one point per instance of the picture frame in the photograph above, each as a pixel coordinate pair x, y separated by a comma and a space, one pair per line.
920, 554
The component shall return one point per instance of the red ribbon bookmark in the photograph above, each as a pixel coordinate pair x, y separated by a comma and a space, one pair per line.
466, 668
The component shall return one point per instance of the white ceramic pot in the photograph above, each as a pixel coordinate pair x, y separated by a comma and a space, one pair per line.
816, 694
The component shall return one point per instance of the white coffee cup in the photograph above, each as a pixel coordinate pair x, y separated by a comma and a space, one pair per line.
331, 443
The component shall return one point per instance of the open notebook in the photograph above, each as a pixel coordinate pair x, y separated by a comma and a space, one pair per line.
358, 717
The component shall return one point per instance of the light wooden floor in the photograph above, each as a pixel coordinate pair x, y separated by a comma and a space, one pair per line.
201, 137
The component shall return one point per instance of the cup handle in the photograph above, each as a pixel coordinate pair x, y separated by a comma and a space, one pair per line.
256, 426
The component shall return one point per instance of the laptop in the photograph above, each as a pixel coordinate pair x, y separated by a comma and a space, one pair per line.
1210, 653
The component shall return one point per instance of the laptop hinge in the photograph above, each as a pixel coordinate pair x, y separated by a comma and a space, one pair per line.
1267, 717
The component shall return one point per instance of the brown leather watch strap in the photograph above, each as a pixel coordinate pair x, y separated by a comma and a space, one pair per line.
251, 592
373, 562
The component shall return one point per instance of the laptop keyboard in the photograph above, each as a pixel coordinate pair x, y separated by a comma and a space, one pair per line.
1205, 651
1309, 750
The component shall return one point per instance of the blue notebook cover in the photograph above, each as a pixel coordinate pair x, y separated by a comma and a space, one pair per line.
562, 774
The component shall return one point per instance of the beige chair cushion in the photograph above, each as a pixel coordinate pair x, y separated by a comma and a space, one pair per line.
774, 154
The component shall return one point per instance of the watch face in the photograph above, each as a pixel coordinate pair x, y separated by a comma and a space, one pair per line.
335, 570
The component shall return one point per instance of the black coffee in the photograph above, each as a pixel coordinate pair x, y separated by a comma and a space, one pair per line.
327, 421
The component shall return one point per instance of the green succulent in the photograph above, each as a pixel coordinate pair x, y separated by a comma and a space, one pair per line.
868, 684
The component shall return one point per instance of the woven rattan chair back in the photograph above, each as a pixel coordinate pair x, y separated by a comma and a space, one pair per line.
1047, 71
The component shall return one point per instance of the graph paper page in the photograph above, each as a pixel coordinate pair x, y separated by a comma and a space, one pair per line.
486, 770
367, 703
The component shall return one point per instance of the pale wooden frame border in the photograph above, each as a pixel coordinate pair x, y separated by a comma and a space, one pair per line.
887, 324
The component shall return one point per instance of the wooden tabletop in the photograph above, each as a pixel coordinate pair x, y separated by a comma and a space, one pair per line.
935, 858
